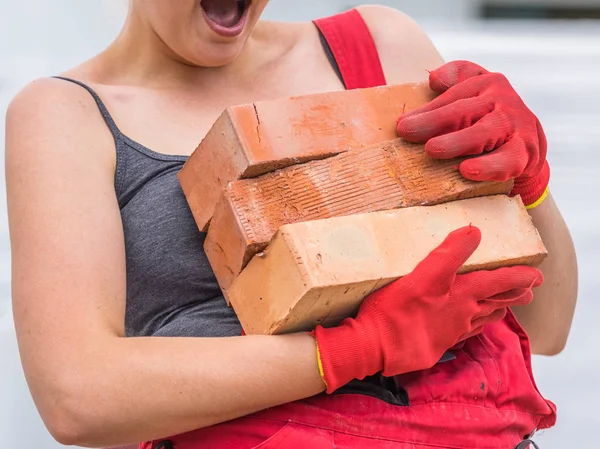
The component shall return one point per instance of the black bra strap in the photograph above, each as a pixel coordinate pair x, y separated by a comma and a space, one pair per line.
330, 57
103, 110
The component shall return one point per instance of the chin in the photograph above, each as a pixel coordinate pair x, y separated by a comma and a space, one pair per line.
223, 29
203, 33
216, 55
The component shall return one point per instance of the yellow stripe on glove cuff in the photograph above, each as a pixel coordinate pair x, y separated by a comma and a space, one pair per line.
540, 200
321, 371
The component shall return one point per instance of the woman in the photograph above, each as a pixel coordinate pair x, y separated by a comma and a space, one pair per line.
104, 247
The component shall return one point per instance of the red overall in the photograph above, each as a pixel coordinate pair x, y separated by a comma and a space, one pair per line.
485, 398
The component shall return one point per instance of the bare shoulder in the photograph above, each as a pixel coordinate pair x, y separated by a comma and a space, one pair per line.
406, 52
55, 116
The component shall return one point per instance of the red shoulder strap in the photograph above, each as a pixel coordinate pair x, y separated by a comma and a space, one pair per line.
353, 48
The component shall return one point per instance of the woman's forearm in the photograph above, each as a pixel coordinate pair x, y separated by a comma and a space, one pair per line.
548, 318
158, 387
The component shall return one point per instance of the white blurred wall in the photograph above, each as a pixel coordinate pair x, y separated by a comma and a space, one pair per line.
561, 3
309, 9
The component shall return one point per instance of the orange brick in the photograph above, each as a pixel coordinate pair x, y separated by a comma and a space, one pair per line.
386, 176
318, 272
254, 139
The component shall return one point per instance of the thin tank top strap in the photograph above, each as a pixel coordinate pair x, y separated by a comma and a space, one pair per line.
114, 129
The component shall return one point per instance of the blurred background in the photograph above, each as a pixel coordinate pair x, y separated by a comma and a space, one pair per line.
549, 49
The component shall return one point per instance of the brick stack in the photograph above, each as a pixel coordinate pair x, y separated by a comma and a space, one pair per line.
311, 203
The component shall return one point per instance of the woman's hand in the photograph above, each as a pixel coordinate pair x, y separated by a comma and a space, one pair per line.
409, 324
479, 112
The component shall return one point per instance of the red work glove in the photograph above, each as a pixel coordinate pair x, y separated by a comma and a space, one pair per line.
479, 112
409, 324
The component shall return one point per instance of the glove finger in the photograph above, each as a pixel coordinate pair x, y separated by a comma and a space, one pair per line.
446, 119
483, 284
535, 166
453, 73
489, 133
471, 88
514, 298
439, 268
473, 333
479, 323
505, 163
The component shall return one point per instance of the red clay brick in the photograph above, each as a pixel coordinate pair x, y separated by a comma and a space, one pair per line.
388, 175
254, 139
318, 272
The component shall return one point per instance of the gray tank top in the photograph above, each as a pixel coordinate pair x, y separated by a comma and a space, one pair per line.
171, 289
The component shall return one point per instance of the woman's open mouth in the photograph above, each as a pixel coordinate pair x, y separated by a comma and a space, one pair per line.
226, 17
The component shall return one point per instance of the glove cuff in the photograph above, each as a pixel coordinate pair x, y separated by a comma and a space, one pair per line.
534, 190
344, 355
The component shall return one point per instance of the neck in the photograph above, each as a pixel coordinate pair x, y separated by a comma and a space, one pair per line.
138, 56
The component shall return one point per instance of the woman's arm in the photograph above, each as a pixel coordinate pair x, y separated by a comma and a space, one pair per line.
92, 386
549, 317
408, 55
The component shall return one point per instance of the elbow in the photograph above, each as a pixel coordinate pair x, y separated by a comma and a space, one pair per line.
72, 420
67, 428
556, 349
549, 347
65, 431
